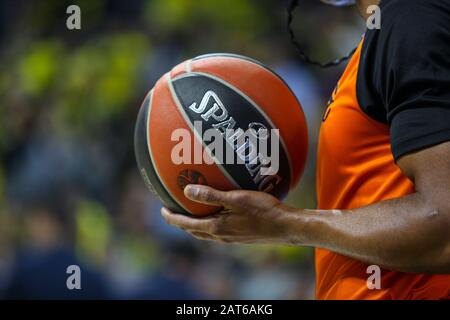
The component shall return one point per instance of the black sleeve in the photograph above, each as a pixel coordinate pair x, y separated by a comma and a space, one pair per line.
410, 72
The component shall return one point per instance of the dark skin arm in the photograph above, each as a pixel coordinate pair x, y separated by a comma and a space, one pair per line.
409, 234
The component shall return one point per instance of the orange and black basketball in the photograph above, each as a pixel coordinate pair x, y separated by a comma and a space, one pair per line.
222, 92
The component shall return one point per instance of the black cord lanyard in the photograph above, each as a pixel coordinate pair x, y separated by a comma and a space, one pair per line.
303, 55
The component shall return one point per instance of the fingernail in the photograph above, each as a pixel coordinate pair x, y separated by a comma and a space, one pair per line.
191, 191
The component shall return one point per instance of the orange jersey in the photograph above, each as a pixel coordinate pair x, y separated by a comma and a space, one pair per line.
355, 167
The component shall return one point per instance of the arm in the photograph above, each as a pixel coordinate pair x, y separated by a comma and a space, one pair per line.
410, 234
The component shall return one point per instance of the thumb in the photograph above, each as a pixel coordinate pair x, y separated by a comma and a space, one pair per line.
206, 195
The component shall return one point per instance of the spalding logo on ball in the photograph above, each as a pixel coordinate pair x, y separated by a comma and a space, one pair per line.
221, 120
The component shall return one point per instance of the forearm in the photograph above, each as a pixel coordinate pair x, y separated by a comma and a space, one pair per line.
406, 234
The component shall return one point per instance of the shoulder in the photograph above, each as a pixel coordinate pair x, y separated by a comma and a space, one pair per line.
413, 39
404, 73
415, 19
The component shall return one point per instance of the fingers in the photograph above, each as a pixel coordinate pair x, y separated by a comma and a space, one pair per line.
205, 225
206, 195
208, 228
203, 236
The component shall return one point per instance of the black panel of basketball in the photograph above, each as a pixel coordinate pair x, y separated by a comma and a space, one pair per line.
190, 89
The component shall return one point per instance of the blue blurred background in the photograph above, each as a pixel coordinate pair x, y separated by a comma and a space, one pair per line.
70, 192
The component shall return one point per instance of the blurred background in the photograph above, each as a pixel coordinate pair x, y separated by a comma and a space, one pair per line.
70, 192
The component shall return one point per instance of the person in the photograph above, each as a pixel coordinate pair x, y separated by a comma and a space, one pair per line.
383, 169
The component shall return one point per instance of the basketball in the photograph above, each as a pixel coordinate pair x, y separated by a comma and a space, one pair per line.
221, 120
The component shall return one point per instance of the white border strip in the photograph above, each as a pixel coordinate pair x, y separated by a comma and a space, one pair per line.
189, 66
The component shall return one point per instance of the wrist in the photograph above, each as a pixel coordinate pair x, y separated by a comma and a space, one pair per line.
294, 225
